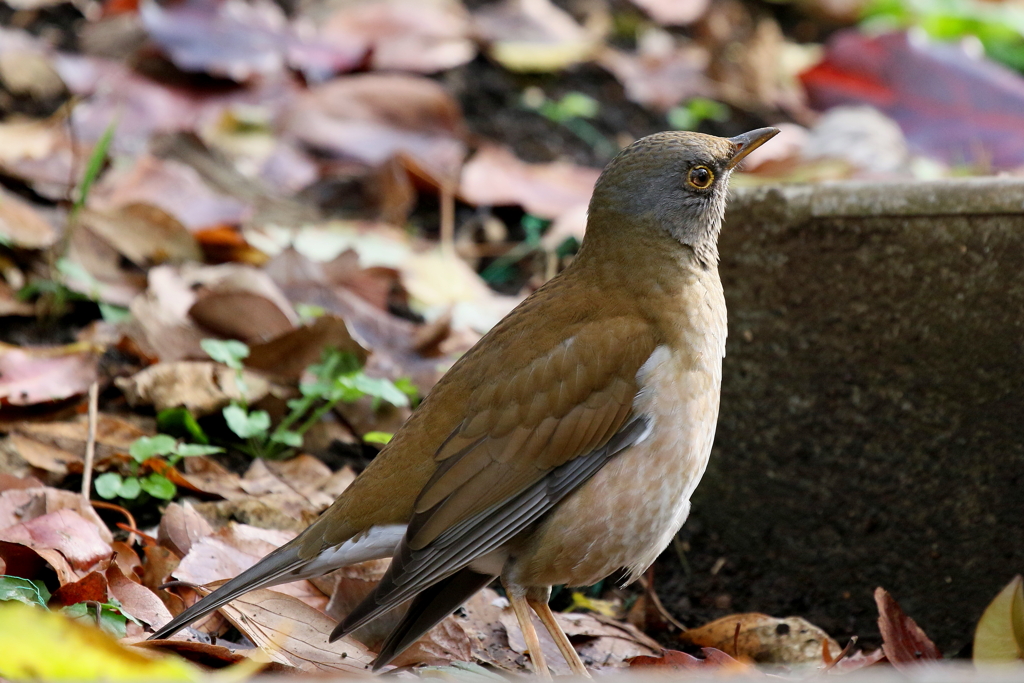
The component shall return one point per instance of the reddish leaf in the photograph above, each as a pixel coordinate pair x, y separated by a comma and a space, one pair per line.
902, 639
673, 659
38, 375
64, 531
93, 588
948, 103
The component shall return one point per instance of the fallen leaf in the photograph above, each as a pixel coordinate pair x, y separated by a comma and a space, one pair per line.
143, 233
181, 526
675, 660
172, 186
26, 504
662, 73
999, 635
40, 153
21, 225
136, 599
423, 36
201, 387
764, 639
242, 40
17, 559
445, 643
903, 641
60, 446
673, 12
219, 312
952, 105
495, 177
233, 549
288, 355
91, 588
64, 531
33, 375
294, 633
534, 35
373, 117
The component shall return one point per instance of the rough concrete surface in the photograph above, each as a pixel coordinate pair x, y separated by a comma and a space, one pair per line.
872, 425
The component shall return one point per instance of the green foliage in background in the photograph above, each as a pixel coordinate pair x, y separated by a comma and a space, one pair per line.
999, 26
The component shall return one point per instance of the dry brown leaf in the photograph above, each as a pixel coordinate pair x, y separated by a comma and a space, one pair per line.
33, 375
241, 315
601, 642
127, 561
181, 526
143, 233
764, 639
101, 274
662, 73
26, 504
204, 654
674, 660
535, 35
202, 387
39, 153
19, 559
288, 355
10, 482
91, 588
243, 40
205, 474
233, 549
373, 117
60, 446
903, 641
445, 643
423, 36
137, 600
11, 305
295, 634
21, 225
674, 12
172, 186
64, 531
495, 177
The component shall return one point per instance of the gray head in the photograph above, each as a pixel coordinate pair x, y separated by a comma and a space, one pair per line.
677, 181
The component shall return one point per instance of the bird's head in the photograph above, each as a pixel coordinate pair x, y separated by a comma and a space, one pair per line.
673, 181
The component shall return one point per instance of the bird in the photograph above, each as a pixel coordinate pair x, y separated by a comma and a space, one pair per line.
565, 445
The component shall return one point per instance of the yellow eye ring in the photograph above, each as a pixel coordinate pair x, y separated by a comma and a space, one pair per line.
700, 177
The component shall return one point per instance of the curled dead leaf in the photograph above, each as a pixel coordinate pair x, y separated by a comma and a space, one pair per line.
202, 387
903, 641
764, 639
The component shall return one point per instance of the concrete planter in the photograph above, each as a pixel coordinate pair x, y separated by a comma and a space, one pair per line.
872, 426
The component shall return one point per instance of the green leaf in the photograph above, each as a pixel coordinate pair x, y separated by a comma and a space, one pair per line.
93, 166
186, 450
288, 438
158, 486
130, 488
230, 352
107, 485
147, 447
181, 423
246, 425
381, 388
111, 621
377, 437
23, 590
999, 635
113, 314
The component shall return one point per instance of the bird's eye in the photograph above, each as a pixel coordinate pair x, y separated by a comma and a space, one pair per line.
700, 177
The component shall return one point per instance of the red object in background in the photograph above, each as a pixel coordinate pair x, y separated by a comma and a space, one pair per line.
950, 105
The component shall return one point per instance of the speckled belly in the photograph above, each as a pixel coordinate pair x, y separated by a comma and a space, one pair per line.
629, 511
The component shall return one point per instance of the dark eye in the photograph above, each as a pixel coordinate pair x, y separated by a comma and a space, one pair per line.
700, 177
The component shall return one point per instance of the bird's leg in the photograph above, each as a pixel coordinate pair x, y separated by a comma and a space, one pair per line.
517, 598
538, 600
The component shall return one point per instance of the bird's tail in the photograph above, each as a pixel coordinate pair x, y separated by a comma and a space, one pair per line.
281, 566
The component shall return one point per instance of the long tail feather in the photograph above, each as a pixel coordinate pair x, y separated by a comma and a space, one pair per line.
428, 609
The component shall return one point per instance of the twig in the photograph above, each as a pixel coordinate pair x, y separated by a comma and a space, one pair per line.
117, 508
90, 444
134, 531
841, 655
648, 587
447, 220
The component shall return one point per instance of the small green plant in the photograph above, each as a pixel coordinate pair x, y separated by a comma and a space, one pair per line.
113, 485
337, 378
695, 112
572, 111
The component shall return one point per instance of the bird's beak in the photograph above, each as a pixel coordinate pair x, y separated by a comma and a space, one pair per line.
747, 143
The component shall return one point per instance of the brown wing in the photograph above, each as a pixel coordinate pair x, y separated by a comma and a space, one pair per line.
526, 441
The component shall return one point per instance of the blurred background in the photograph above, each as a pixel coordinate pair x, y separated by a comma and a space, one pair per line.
177, 171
